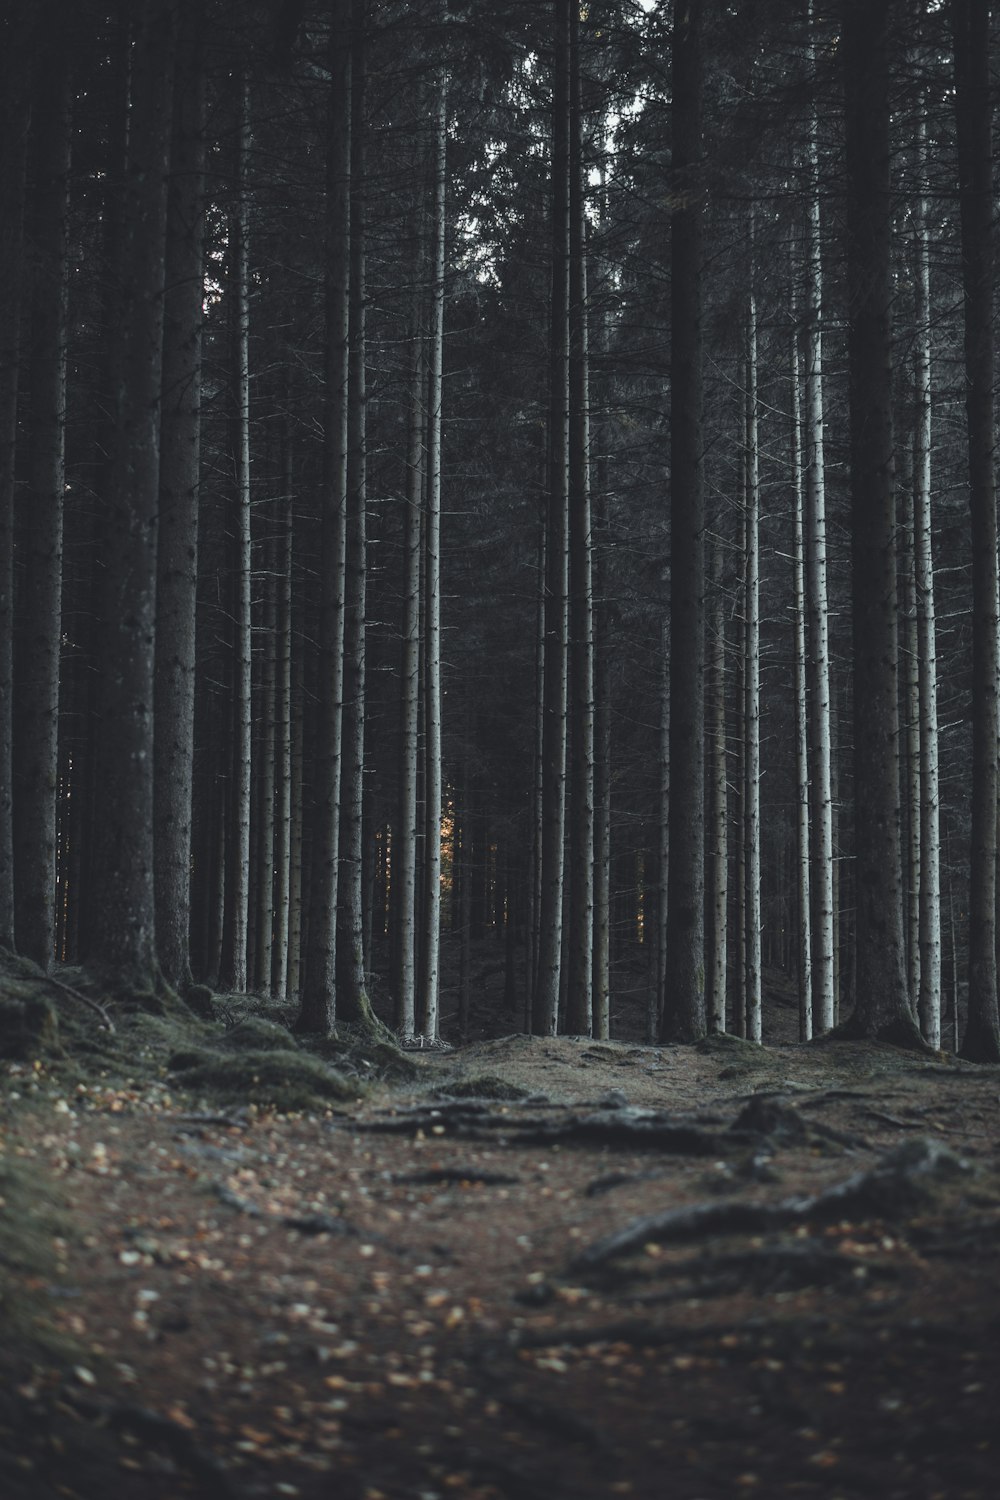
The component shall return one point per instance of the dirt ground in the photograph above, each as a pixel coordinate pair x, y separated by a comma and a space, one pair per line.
537, 1270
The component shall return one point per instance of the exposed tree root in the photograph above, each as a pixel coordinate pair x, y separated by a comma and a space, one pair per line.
894, 1184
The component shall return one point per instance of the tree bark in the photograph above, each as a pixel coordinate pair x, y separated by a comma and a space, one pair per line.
882, 1007
429, 989
554, 677
824, 992
804, 908
973, 119
929, 1005
751, 688
319, 976
684, 1002
15, 111
238, 850
177, 537
580, 936
38, 618
122, 934
718, 809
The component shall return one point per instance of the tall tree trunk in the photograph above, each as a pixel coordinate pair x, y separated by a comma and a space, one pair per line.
751, 688
177, 538
804, 908
821, 836
554, 678
882, 1006
122, 934
909, 739
353, 1003
929, 1005
283, 721
429, 989
38, 619
15, 29
242, 561
684, 1007
602, 748
580, 936
718, 806
973, 118
319, 959
404, 845
267, 759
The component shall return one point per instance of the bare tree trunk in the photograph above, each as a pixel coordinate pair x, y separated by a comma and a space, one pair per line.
751, 688
817, 611
353, 1004
580, 936
658, 990
718, 809
319, 959
264, 945
38, 619
882, 1006
296, 860
429, 994
122, 935
238, 862
804, 909
547, 981
602, 766
15, 27
405, 841
910, 734
283, 722
973, 118
177, 538
929, 1006
684, 1007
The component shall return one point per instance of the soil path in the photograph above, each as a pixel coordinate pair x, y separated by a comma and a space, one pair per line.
420, 1297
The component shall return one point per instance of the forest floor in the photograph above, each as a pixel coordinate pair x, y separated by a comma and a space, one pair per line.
532, 1270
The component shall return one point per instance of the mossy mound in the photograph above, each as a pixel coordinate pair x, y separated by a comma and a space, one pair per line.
725, 1044
30, 1218
285, 1080
486, 1086
29, 1027
356, 1052
254, 1034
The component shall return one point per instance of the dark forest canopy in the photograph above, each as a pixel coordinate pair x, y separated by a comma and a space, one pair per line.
504, 479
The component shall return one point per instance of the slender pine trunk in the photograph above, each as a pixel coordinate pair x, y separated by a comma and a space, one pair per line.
684, 1002
38, 617
177, 536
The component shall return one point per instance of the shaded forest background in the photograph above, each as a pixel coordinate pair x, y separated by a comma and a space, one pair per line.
314, 323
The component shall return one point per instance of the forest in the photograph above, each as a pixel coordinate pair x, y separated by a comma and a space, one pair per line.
499, 731
510, 473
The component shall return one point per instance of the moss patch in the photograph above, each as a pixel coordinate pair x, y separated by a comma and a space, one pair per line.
486, 1086
283, 1079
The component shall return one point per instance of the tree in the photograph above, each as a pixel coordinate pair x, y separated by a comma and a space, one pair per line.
319, 981
580, 935
684, 1003
38, 620
824, 998
882, 1005
122, 934
929, 1005
177, 537
428, 997
15, 27
973, 117
556, 589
